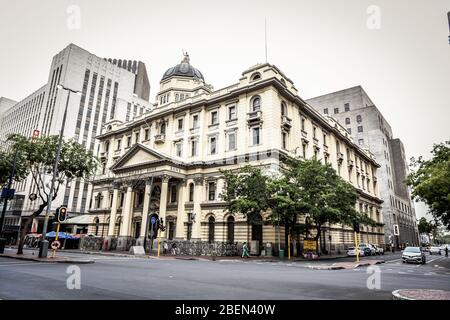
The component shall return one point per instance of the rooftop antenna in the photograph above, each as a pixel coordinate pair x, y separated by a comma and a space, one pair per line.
265, 36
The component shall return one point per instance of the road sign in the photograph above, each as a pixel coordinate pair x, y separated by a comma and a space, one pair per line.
396, 231
56, 245
309, 245
153, 220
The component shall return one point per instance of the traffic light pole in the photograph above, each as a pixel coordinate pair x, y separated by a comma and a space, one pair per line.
43, 247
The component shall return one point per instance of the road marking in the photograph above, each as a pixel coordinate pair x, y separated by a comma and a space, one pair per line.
19, 264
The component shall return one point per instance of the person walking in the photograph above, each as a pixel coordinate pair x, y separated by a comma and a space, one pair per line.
446, 250
165, 247
245, 251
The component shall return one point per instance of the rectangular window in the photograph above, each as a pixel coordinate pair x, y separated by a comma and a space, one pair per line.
360, 129
303, 124
232, 141
324, 139
173, 194
349, 130
214, 117
314, 132
195, 121
336, 110
136, 137
284, 140
360, 142
256, 136
119, 144
347, 107
147, 134
211, 191
194, 143
213, 145
179, 149
232, 113
128, 141
304, 150
180, 124
325, 111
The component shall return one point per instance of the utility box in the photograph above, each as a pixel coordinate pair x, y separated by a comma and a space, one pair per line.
268, 249
254, 247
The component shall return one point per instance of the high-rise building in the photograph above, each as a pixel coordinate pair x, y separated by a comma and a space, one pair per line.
111, 89
358, 114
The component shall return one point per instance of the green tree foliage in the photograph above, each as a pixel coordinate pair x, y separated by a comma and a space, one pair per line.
430, 182
39, 155
6, 163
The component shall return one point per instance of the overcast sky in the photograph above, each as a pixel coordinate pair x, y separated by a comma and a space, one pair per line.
398, 50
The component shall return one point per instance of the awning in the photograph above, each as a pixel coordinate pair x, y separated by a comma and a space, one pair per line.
83, 219
61, 235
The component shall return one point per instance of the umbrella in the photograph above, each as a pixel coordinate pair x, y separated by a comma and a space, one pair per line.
61, 235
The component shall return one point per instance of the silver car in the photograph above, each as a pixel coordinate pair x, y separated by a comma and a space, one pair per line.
413, 254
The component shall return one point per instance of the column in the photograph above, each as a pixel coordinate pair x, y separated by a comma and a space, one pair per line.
181, 214
126, 213
163, 202
198, 198
147, 192
113, 215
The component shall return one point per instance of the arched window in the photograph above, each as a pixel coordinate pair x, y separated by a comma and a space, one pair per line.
283, 108
191, 192
256, 103
230, 229
162, 128
211, 224
255, 76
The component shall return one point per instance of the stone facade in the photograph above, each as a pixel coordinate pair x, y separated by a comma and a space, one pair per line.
166, 163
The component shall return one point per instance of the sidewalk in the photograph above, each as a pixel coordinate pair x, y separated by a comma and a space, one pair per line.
49, 259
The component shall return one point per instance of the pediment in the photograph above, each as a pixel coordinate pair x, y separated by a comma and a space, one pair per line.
138, 155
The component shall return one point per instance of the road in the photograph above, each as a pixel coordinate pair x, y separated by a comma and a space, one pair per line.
143, 278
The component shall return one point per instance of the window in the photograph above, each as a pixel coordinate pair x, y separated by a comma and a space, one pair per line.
195, 121
180, 124
325, 111
347, 107
213, 145
338, 147
146, 134
128, 141
179, 149
336, 110
283, 108
211, 191
256, 135
361, 142
191, 192
232, 113
194, 144
324, 139
107, 146
162, 128
303, 124
214, 117
136, 137
256, 104
284, 140
359, 118
211, 223
255, 76
349, 130
230, 229
119, 142
173, 194
360, 129
347, 120
304, 150
314, 132
231, 141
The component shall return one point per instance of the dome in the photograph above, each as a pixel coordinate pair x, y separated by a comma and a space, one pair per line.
184, 69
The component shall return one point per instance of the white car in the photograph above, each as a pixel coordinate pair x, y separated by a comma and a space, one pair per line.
379, 250
435, 250
351, 252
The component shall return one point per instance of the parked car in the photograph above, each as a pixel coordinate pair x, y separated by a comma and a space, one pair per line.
351, 252
368, 249
378, 250
435, 250
413, 254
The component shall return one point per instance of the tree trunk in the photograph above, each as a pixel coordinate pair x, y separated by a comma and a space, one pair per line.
26, 227
317, 236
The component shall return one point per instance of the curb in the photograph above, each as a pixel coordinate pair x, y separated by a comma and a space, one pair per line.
48, 260
421, 294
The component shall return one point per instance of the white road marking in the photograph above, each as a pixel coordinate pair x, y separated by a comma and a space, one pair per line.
19, 264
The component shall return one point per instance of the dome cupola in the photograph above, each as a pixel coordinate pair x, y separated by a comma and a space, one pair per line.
183, 69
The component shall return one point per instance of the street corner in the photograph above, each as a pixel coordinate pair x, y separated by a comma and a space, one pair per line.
420, 294
48, 259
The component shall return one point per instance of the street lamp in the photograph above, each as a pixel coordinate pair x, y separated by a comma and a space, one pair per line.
43, 248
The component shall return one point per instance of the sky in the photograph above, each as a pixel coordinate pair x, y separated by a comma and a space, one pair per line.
398, 51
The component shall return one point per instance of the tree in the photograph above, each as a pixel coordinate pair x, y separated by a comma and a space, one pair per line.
6, 163
430, 182
424, 226
39, 155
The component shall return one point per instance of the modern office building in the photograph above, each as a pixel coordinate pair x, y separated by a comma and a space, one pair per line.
110, 89
166, 164
355, 110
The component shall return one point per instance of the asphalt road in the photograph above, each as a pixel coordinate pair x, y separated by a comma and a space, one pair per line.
143, 278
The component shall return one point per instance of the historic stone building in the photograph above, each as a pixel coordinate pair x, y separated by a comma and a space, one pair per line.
354, 109
166, 164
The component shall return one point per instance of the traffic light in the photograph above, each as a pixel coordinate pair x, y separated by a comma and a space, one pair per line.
356, 227
61, 213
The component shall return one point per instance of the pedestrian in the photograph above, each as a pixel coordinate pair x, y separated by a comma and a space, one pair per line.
245, 251
165, 247
174, 248
446, 250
